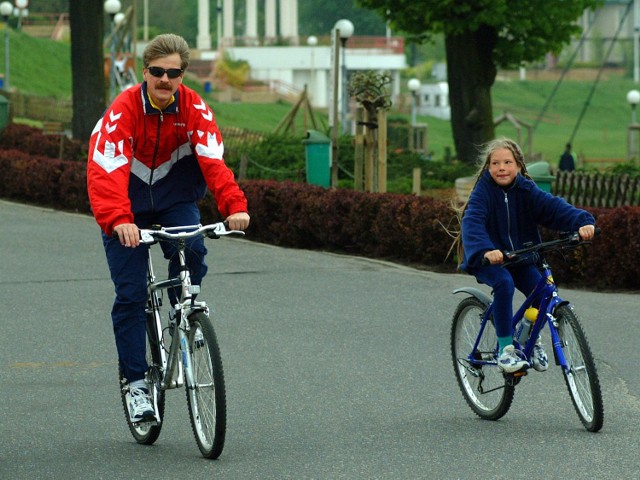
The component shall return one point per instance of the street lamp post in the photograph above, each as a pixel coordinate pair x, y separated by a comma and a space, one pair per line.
6, 9
111, 7
345, 29
414, 86
312, 41
22, 6
633, 97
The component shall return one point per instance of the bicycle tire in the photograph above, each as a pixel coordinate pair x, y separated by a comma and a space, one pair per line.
148, 433
581, 377
207, 397
484, 387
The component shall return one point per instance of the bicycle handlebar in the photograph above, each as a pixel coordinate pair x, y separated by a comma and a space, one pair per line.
214, 230
570, 240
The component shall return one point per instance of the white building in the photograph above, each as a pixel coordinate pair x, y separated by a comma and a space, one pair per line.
301, 62
433, 100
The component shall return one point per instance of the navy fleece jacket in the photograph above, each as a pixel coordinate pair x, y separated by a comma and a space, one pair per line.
499, 218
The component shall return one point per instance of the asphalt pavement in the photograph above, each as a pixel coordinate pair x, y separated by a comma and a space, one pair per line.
337, 367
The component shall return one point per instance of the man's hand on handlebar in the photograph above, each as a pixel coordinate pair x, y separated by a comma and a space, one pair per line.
238, 221
128, 233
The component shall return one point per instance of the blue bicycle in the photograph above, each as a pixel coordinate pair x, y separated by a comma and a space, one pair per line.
474, 344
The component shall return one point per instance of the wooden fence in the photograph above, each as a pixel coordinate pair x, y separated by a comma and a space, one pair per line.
589, 189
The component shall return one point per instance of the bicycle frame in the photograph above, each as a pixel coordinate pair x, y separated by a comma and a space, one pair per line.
547, 292
184, 308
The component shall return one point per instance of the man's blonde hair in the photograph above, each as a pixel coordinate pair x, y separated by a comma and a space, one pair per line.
165, 45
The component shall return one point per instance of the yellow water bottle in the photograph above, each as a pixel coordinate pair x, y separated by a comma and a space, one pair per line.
531, 314
524, 327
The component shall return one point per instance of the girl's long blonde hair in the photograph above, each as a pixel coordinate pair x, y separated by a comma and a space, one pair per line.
484, 160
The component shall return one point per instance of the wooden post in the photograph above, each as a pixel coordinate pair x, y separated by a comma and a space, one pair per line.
244, 160
369, 153
417, 175
382, 151
358, 161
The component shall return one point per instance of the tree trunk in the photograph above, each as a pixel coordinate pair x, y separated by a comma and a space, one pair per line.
471, 72
87, 65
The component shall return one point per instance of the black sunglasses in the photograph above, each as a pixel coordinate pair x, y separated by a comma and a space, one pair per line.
171, 72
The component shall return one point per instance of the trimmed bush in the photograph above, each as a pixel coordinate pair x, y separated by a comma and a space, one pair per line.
402, 228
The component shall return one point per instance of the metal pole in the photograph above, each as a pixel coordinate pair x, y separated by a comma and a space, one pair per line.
218, 24
335, 152
6, 56
112, 77
345, 100
636, 39
414, 108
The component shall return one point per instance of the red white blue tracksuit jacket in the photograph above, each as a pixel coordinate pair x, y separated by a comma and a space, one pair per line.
147, 165
142, 160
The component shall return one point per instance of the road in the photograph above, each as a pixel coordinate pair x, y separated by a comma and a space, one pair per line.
337, 367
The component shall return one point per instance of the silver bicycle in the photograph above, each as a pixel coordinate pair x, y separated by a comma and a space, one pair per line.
183, 351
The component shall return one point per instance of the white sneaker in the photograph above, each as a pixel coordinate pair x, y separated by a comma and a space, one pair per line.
198, 339
139, 404
509, 361
539, 358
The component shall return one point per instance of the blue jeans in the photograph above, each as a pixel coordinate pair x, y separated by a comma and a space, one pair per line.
128, 267
504, 281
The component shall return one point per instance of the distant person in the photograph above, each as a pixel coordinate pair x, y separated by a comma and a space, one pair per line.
567, 161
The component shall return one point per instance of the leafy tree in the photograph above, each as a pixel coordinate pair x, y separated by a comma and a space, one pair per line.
86, 20
318, 18
480, 36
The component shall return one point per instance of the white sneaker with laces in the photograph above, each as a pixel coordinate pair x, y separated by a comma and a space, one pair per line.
198, 339
139, 404
509, 361
539, 357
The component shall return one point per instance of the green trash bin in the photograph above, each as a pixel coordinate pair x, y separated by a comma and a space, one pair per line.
541, 174
318, 158
4, 112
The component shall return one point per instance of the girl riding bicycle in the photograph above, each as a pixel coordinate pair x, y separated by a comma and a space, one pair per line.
503, 212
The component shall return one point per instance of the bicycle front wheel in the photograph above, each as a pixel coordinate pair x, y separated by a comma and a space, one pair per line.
580, 375
206, 397
483, 385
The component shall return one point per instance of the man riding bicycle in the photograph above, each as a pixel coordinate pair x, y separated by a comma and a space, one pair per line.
151, 158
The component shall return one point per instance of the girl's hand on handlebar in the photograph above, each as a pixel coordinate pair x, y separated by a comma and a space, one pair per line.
128, 233
587, 232
494, 257
238, 221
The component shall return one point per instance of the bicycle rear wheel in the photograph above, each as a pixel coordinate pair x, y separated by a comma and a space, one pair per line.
206, 397
483, 386
580, 376
148, 433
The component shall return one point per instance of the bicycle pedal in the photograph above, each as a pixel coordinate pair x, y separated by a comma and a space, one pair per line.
147, 422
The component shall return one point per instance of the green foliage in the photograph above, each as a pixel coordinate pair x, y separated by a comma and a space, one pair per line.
370, 90
525, 29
